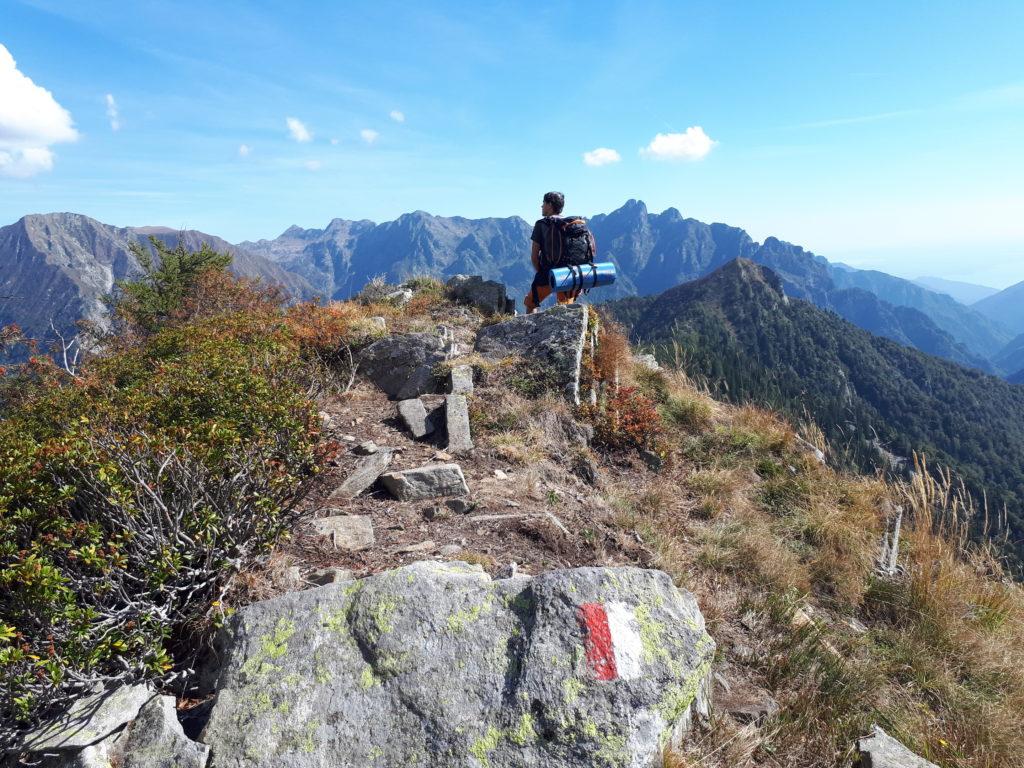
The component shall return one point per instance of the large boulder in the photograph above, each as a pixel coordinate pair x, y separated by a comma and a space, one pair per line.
404, 365
552, 341
486, 295
435, 664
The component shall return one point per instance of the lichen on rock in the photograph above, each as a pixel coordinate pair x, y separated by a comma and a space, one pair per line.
435, 664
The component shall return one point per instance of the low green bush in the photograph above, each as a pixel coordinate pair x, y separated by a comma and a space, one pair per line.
131, 492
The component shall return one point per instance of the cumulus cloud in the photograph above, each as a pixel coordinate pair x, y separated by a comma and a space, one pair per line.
601, 156
244, 150
398, 117
112, 113
298, 130
313, 165
30, 121
369, 135
694, 144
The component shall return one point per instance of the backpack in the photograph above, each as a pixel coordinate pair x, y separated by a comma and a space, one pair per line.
573, 243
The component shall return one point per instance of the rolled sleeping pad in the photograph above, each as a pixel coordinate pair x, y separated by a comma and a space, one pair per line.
582, 277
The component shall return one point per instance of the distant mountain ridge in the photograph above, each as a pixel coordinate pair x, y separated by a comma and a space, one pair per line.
737, 330
57, 268
652, 251
1006, 307
965, 293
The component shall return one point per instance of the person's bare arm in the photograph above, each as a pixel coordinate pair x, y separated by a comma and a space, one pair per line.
535, 256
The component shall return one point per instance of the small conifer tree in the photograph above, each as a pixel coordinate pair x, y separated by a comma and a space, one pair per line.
169, 275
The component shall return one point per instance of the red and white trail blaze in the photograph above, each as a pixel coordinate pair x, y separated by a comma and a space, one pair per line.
612, 641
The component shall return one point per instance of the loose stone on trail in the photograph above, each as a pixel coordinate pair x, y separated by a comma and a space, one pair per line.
427, 482
347, 532
460, 380
365, 474
457, 417
413, 414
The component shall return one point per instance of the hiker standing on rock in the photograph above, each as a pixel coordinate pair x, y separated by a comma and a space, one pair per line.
557, 242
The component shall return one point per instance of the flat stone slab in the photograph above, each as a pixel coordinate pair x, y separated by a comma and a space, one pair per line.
550, 341
347, 532
880, 750
460, 380
403, 365
413, 414
89, 720
456, 412
435, 664
365, 474
156, 740
427, 482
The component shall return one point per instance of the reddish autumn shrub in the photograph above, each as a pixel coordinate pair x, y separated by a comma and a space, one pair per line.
627, 420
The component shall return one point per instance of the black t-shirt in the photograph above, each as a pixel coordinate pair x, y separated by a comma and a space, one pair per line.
543, 233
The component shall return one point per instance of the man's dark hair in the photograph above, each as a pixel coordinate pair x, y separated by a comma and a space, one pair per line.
556, 199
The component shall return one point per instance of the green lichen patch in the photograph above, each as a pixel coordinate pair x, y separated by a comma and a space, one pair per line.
272, 645
572, 688
458, 621
481, 748
524, 732
677, 698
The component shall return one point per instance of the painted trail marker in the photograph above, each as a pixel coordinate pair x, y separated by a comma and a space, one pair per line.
614, 649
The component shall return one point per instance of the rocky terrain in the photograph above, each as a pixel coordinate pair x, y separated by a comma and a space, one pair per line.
476, 582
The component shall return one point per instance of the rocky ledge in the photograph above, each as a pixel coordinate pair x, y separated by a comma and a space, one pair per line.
435, 664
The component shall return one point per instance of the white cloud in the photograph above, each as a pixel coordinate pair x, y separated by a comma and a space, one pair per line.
398, 117
244, 150
601, 156
694, 144
369, 135
298, 130
112, 114
334, 142
313, 165
30, 121
22, 163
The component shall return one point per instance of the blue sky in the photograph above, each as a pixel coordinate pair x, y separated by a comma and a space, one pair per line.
886, 135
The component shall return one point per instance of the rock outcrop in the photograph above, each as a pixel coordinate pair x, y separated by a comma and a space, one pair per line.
404, 365
486, 295
434, 664
552, 341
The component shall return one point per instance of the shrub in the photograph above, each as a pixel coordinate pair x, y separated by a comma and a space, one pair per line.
629, 420
130, 494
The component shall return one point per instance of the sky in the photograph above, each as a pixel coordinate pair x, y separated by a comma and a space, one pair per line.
884, 135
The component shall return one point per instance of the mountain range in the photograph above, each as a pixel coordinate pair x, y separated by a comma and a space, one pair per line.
877, 401
57, 267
